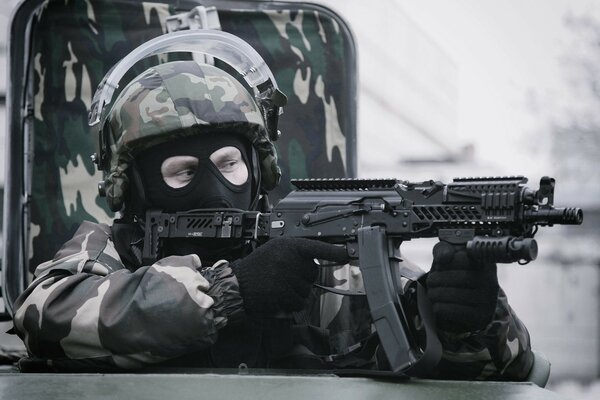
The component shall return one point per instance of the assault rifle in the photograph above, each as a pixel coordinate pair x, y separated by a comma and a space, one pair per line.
496, 218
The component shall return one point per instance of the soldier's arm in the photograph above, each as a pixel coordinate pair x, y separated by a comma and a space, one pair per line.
501, 351
85, 306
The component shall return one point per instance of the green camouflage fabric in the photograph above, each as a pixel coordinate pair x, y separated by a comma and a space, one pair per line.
176, 99
502, 351
85, 310
76, 42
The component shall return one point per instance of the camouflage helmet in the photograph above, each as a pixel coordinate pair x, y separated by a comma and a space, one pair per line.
177, 99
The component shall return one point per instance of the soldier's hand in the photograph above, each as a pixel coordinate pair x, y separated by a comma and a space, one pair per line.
278, 275
463, 291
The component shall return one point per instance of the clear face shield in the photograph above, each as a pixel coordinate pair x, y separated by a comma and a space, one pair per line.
218, 44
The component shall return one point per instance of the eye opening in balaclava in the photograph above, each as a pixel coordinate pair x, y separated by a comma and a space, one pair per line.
179, 171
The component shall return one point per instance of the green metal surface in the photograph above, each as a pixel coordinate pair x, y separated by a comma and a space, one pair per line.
246, 386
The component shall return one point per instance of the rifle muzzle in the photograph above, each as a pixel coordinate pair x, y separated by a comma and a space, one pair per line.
560, 216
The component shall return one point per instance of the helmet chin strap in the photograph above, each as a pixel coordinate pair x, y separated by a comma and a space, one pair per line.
256, 177
137, 204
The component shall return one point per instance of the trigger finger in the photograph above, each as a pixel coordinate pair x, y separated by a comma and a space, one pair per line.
328, 251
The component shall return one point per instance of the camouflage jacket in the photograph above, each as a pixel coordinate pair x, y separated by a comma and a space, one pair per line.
86, 311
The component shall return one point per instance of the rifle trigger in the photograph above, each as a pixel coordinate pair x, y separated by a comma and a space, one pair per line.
340, 291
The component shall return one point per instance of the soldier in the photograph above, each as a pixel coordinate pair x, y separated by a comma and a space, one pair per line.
190, 136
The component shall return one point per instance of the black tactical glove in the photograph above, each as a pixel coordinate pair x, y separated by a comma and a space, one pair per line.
463, 291
278, 275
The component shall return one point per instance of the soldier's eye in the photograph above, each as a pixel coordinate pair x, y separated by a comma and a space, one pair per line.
230, 163
178, 171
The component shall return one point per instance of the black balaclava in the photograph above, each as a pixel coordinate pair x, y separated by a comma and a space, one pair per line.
207, 189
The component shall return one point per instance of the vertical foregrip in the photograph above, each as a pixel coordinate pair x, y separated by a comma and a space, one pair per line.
506, 249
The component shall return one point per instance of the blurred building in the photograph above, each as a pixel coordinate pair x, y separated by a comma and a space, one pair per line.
5, 12
4, 18
407, 90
